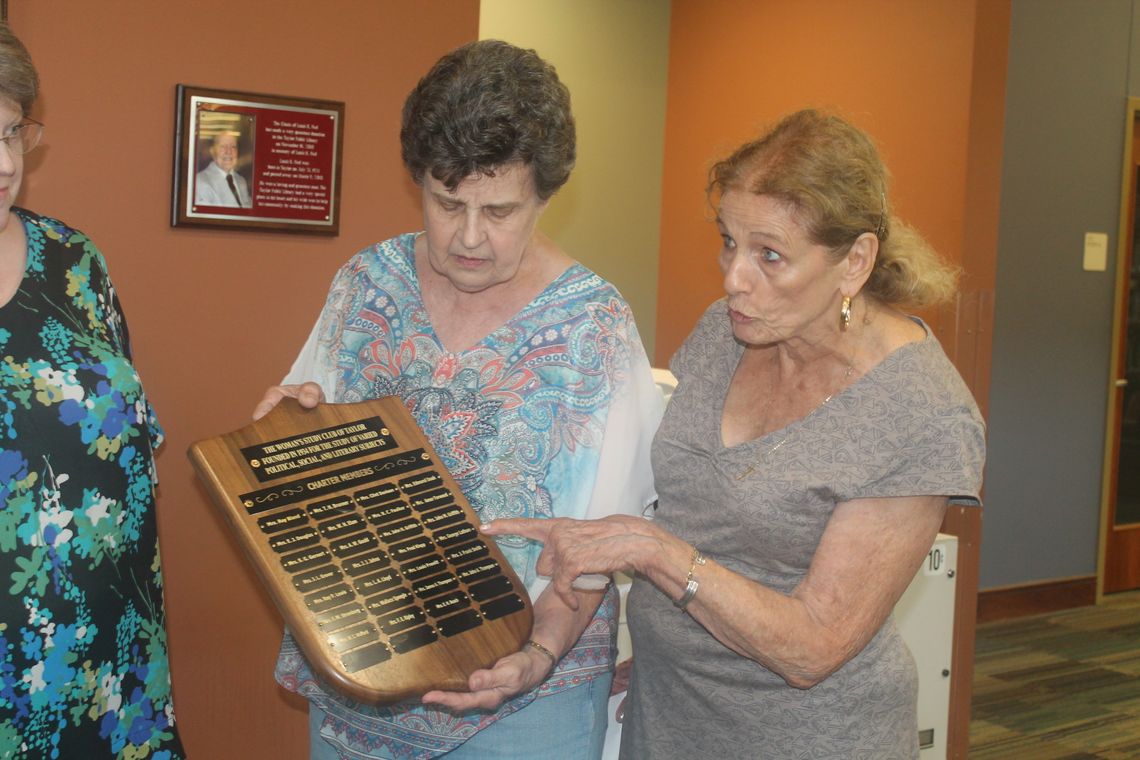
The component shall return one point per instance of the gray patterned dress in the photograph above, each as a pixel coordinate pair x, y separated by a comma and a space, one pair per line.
909, 427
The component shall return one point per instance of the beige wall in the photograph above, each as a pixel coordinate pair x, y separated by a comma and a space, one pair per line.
614, 58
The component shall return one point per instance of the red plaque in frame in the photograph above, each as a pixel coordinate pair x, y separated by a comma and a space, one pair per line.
255, 161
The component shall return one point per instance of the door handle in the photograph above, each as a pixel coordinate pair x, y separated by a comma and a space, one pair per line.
1121, 383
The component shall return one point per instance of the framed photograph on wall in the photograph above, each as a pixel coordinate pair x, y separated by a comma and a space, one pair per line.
259, 162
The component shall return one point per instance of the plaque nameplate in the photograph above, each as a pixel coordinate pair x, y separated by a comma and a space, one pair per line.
367, 547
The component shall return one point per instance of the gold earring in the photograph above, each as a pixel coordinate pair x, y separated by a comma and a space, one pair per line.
845, 314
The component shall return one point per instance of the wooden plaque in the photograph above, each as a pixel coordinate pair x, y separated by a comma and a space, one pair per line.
367, 546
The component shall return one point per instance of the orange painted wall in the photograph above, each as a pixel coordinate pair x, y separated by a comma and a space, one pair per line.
218, 315
901, 70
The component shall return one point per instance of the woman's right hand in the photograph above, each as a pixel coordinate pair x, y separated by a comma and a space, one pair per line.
572, 548
307, 394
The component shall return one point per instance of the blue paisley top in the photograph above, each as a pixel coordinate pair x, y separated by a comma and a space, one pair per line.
83, 663
551, 415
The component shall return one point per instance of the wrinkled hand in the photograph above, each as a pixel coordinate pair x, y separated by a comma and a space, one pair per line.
581, 547
512, 675
308, 394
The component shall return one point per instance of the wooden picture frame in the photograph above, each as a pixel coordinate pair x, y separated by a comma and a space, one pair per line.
256, 162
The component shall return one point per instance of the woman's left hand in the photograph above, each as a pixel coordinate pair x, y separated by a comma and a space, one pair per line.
512, 675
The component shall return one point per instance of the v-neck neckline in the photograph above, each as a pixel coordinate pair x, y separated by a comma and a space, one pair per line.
781, 434
410, 252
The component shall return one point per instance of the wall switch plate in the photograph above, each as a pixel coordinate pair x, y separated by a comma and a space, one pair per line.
1096, 251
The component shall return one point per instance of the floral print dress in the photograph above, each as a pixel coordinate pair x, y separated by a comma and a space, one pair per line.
83, 660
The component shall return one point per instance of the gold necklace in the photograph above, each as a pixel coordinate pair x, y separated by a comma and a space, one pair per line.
764, 455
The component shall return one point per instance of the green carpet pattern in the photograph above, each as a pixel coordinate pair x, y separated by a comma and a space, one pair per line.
1061, 686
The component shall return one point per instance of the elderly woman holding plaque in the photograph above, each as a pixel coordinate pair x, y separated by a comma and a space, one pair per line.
815, 437
526, 372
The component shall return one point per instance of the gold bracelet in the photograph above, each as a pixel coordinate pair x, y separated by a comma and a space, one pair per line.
535, 645
691, 582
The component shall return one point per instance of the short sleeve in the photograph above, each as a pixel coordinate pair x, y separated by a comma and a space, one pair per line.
316, 361
928, 432
945, 459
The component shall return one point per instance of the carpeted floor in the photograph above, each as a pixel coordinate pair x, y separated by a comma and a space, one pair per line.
1062, 686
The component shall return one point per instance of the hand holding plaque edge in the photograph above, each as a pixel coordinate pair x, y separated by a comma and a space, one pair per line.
308, 395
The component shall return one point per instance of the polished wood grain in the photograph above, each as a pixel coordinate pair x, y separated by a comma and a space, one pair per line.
232, 478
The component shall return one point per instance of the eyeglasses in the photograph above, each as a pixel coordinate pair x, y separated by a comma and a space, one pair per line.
23, 137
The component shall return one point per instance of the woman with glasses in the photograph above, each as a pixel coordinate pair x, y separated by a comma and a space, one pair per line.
83, 661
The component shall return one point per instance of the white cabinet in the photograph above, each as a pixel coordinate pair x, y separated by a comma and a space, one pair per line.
925, 618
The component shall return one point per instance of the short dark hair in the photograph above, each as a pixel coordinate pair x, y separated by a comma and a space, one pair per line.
485, 105
18, 79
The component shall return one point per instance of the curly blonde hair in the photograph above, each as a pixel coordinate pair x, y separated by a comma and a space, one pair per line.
831, 173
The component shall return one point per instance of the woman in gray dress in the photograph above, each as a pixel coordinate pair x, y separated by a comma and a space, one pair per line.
805, 462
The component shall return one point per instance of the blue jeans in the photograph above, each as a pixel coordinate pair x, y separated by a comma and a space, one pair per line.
570, 725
